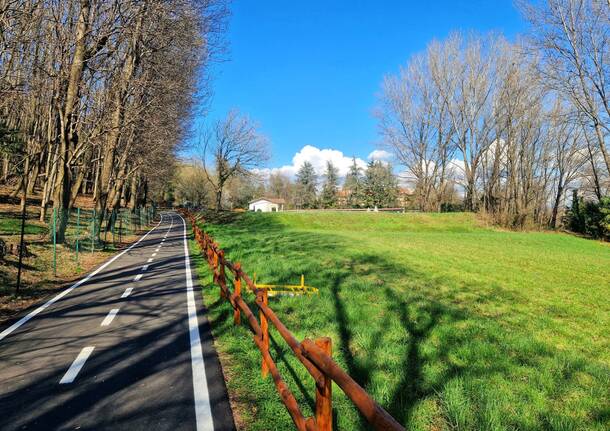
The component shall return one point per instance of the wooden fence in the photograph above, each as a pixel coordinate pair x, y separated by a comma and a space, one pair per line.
315, 355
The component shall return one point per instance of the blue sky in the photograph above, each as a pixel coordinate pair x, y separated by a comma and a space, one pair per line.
309, 72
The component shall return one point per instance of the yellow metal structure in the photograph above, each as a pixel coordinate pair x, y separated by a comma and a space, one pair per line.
287, 289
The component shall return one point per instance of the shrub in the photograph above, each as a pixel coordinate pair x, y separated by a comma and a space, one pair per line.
589, 218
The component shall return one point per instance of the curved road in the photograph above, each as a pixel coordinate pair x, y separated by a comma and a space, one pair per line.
127, 347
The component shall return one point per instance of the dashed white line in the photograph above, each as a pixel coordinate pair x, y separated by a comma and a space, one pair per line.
137, 277
127, 292
154, 254
76, 365
110, 317
149, 260
145, 268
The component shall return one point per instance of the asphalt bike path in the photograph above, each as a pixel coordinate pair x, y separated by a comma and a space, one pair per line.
127, 347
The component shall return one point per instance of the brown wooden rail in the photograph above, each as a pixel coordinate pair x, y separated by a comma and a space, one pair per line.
315, 355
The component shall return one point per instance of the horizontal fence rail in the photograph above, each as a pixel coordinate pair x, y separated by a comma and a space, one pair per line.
315, 355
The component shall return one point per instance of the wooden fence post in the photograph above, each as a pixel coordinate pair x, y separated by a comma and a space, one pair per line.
215, 266
210, 257
263, 298
221, 273
237, 288
324, 398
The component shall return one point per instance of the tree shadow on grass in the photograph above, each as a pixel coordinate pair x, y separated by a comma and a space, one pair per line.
393, 322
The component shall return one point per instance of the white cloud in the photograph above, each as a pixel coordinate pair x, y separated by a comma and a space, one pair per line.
380, 155
318, 158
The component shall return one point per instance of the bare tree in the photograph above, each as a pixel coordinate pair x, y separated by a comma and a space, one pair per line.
235, 147
574, 39
99, 94
569, 157
464, 71
481, 104
414, 123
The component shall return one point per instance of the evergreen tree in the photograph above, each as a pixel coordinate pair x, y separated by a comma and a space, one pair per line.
380, 185
331, 184
353, 185
307, 182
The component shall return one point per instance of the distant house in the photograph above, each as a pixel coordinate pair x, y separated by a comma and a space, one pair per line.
266, 205
405, 197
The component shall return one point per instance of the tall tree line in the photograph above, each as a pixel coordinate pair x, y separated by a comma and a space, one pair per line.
514, 125
95, 95
374, 186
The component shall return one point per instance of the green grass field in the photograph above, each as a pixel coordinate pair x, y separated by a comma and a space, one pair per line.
448, 325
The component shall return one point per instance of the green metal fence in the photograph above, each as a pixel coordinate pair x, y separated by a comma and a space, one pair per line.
86, 230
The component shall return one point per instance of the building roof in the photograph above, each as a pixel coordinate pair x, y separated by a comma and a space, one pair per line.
272, 200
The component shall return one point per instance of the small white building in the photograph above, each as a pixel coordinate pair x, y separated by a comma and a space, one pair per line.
266, 205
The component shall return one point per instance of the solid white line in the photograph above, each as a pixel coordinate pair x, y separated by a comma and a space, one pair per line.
137, 277
76, 365
203, 411
110, 317
53, 300
145, 268
127, 292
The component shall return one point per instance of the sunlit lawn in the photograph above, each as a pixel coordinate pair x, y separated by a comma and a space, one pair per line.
447, 324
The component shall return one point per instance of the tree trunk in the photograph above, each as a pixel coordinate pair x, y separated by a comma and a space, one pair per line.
76, 186
117, 120
556, 206
5, 165
68, 138
218, 199
49, 181
34, 175
133, 194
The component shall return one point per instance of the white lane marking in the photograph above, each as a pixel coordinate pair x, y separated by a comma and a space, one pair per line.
149, 260
203, 411
145, 268
53, 300
154, 254
137, 277
127, 292
76, 365
109, 317
157, 249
